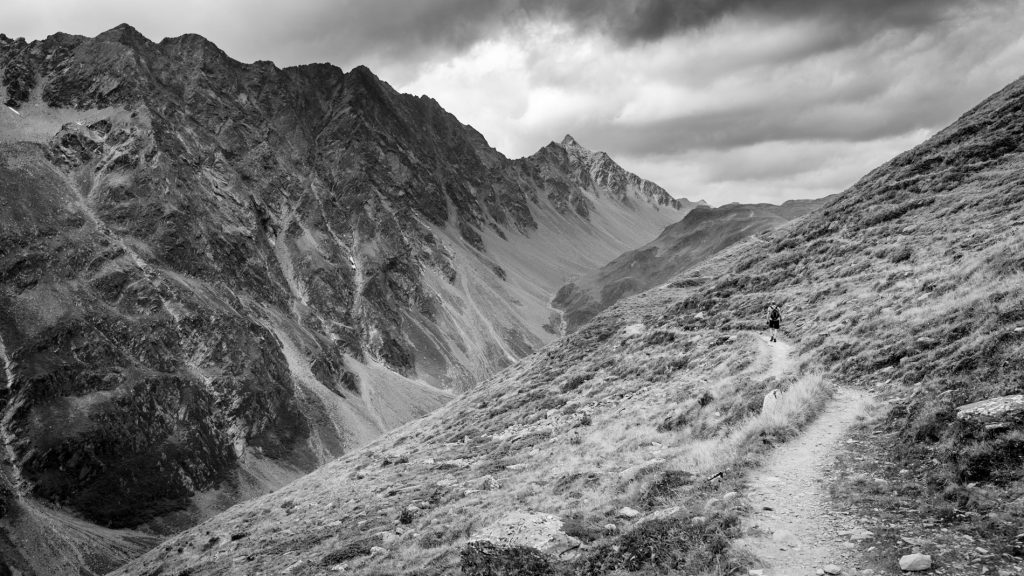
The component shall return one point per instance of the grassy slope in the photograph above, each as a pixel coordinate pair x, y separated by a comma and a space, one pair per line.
618, 414
910, 281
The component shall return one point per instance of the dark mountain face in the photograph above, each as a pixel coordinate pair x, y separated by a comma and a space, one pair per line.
215, 276
702, 233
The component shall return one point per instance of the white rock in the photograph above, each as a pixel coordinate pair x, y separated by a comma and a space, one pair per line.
378, 551
755, 572
533, 529
771, 401
832, 569
610, 528
915, 562
627, 512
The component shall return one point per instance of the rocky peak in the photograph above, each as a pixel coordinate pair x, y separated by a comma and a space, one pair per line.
570, 143
608, 177
194, 46
126, 35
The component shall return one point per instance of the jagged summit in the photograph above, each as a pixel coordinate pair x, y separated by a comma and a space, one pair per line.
569, 142
124, 34
606, 174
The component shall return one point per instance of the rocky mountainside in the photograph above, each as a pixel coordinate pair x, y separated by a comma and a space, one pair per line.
702, 233
598, 169
216, 276
622, 446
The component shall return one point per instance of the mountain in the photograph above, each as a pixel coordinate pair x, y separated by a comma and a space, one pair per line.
216, 276
623, 446
703, 232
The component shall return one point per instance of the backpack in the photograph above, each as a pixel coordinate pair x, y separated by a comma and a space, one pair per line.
774, 314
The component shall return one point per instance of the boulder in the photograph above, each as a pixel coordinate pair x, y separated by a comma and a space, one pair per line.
915, 562
1000, 410
542, 532
771, 401
627, 512
832, 569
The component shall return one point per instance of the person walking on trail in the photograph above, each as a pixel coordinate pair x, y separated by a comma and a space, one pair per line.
774, 320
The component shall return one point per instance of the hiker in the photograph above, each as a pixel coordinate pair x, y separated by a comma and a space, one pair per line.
774, 319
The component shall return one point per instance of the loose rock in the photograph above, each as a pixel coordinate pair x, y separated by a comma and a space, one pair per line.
627, 512
771, 401
915, 562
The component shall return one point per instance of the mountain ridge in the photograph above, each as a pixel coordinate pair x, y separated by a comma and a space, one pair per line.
224, 274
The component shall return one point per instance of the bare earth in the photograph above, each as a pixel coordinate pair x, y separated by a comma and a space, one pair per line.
793, 529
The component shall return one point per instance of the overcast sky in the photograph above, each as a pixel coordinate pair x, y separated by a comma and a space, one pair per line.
726, 100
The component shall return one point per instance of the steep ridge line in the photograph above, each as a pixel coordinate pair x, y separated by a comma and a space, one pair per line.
793, 528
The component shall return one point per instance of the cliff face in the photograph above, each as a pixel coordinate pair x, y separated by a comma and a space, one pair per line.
215, 276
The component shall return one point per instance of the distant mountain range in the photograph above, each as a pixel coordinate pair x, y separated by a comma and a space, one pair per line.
216, 276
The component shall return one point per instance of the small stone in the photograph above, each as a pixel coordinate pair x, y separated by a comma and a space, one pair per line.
862, 535
698, 520
915, 562
627, 512
610, 528
489, 483
981, 550
819, 572
753, 572
729, 496
378, 551
832, 569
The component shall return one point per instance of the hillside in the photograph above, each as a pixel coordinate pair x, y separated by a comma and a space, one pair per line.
623, 446
216, 276
702, 233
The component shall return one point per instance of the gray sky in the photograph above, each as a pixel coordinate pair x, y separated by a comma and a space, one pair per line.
727, 100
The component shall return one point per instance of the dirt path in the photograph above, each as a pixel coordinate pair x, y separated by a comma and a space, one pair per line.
793, 529
778, 356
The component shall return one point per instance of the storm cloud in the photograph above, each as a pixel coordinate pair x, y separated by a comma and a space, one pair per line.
760, 100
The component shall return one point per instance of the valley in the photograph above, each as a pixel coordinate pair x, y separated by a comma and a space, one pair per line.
628, 443
262, 320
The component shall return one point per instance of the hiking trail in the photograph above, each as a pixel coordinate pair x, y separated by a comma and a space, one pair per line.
793, 529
